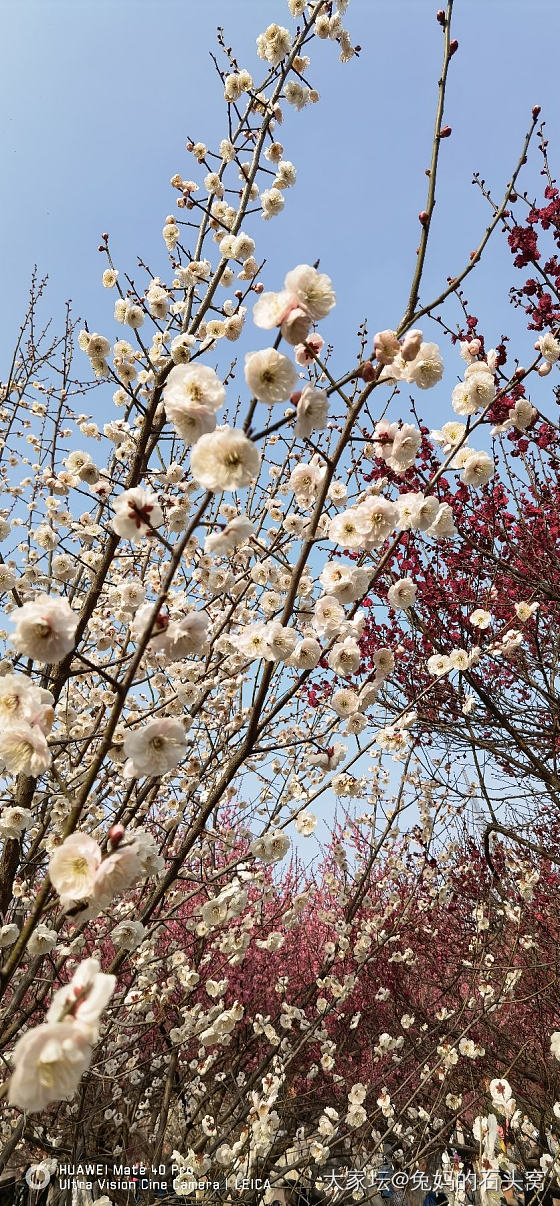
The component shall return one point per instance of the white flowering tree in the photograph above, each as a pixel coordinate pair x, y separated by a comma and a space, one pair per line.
225, 609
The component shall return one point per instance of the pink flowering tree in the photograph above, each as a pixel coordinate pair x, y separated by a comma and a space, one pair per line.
267, 585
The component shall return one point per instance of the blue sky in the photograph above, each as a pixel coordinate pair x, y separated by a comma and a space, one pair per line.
99, 97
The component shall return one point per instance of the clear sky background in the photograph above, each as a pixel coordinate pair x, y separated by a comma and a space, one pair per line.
98, 97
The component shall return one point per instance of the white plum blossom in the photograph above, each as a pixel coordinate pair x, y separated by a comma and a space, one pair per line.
42, 939
137, 512
14, 821
346, 583
270, 375
305, 656
49, 1062
343, 529
386, 346
459, 659
8, 576
272, 308
416, 512
356, 1115
383, 437
479, 468
384, 662
404, 448
194, 383
500, 1090
128, 935
190, 420
236, 83
344, 657
313, 290
271, 847
393, 741
439, 664
524, 610
427, 367
328, 615
443, 525
73, 867
475, 392
24, 749
397, 446
248, 622
312, 411
549, 347
280, 641
84, 998
522, 414
158, 627
188, 636
45, 628
155, 748
306, 823
344, 702
295, 326
8, 934
305, 481
451, 433
274, 44
376, 519
79, 872
329, 759
225, 460
115, 874
401, 594
214, 912
480, 618
272, 203
306, 353
236, 532
151, 861
252, 642
411, 345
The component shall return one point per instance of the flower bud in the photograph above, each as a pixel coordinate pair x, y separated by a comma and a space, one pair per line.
453, 47
410, 346
386, 346
544, 369
296, 325
445, 132
535, 111
115, 835
367, 371
424, 217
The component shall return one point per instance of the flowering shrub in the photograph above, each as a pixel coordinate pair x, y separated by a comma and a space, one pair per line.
264, 587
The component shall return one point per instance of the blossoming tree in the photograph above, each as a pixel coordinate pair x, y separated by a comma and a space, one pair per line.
264, 586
